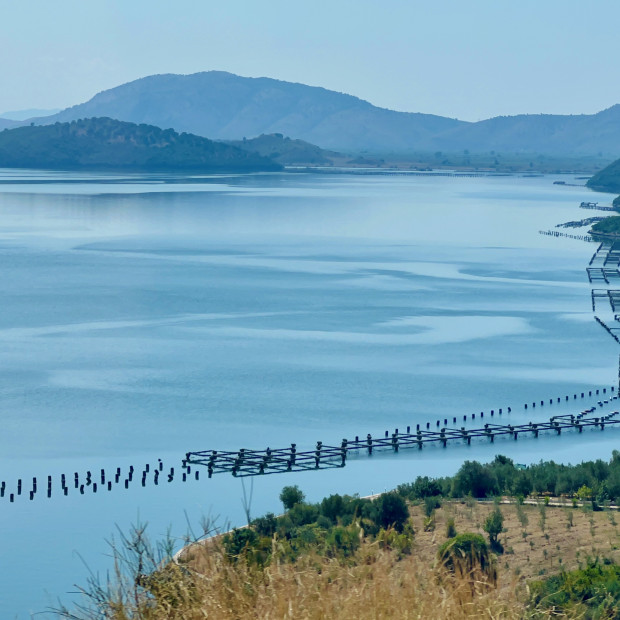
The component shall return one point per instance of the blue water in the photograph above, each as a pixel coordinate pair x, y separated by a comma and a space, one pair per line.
145, 316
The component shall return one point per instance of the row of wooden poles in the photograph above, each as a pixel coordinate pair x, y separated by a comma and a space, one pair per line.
557, 233
103, 481
256, 462
260, 462
94, 483
472, 416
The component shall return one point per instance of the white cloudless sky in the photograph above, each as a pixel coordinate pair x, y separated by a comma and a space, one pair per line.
468, 60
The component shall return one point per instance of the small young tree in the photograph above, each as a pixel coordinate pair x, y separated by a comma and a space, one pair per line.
290, 496
430, 503
493, 526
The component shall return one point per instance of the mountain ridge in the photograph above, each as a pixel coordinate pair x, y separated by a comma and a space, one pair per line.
223, 106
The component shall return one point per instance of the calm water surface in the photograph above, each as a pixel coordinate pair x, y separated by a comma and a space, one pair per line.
146, 316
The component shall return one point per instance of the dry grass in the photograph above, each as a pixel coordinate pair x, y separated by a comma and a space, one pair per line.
375, 584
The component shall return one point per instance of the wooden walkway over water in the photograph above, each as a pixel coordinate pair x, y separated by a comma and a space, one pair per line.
244, 462
603, 269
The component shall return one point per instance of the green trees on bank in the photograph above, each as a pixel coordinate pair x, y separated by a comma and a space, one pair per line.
503, 477
334, 527
607, 179
608, 226
338, 523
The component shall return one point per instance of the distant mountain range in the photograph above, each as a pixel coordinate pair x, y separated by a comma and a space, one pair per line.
221, 105
224, 106
22, 115
104, 143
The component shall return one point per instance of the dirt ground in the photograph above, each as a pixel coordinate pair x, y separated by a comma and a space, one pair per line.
538, 540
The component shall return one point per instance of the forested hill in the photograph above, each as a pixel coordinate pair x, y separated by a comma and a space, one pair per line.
608, 179
104, 143
286, 151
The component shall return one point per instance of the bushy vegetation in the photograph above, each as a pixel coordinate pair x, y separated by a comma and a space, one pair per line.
467, 556
374, 583
502, 477
607, 179
494, 526
607, 226
347, 556
104, 143
334, 527
285, 150
592, 592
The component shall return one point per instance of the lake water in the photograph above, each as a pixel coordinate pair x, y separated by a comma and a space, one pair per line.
145, 316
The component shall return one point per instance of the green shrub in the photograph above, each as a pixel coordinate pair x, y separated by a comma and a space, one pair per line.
494, 526
430, 504
467, 555
246, 544
422, 487
332, 507
290, 496
342, 542
401, 542
474, 479
240, 541
302, 514
266, 525
393, 511
592, 592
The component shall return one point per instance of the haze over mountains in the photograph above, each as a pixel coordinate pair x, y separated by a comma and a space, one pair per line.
221, 105
22, 115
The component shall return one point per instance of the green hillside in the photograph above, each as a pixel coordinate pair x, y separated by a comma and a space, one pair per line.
286, 151
103, 143
608, 226
608, 179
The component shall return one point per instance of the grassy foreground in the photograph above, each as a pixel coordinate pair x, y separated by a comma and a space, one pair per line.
417, 552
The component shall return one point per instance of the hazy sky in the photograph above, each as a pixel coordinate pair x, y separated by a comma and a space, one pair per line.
469, 60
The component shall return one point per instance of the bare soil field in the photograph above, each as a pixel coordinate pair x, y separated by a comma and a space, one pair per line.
538, 540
